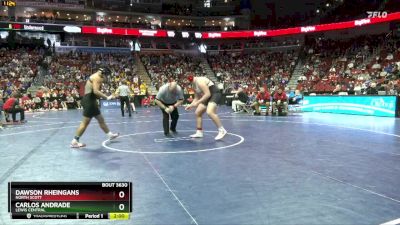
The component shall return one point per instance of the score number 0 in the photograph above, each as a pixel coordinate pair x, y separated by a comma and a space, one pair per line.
121, 195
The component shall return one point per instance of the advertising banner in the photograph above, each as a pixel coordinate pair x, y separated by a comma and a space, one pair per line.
110, 104
356, 105
299, 30
40, 27
124, 31
137, 32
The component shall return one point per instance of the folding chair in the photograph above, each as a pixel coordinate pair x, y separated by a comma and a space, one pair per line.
247, 108
2, 117
295, 108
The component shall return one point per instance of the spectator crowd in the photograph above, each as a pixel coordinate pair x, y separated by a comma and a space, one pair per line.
164, 67
363, 65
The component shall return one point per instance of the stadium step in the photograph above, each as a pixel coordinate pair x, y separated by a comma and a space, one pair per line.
143, 75
297, 72
207, 68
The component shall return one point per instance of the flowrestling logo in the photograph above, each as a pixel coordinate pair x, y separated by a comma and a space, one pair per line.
377, 14
104, 30
260, 33
307, 29
362, 22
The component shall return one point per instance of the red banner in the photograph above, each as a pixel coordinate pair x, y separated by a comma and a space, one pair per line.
124, 31
299, 30
244, 33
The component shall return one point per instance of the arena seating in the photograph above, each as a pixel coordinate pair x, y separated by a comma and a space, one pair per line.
162, 67
253, 69
18, 68
351, 66
362, 65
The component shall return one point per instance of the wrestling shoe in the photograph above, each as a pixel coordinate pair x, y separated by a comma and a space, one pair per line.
221, 134
77, 144
198, 134
112, 136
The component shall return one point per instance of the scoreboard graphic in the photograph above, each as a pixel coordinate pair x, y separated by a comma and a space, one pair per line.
70, 200
8, 3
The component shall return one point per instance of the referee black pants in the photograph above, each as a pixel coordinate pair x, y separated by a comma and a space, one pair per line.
14, 112
174, 119
125, 100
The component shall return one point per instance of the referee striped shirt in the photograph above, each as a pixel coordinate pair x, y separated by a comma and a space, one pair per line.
123, 91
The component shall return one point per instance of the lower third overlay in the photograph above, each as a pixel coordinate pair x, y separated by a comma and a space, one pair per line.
70, 200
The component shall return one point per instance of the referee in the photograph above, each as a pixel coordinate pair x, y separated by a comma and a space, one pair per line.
124, 93
168, 98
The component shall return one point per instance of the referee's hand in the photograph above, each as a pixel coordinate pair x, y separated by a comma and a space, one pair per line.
167, 110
